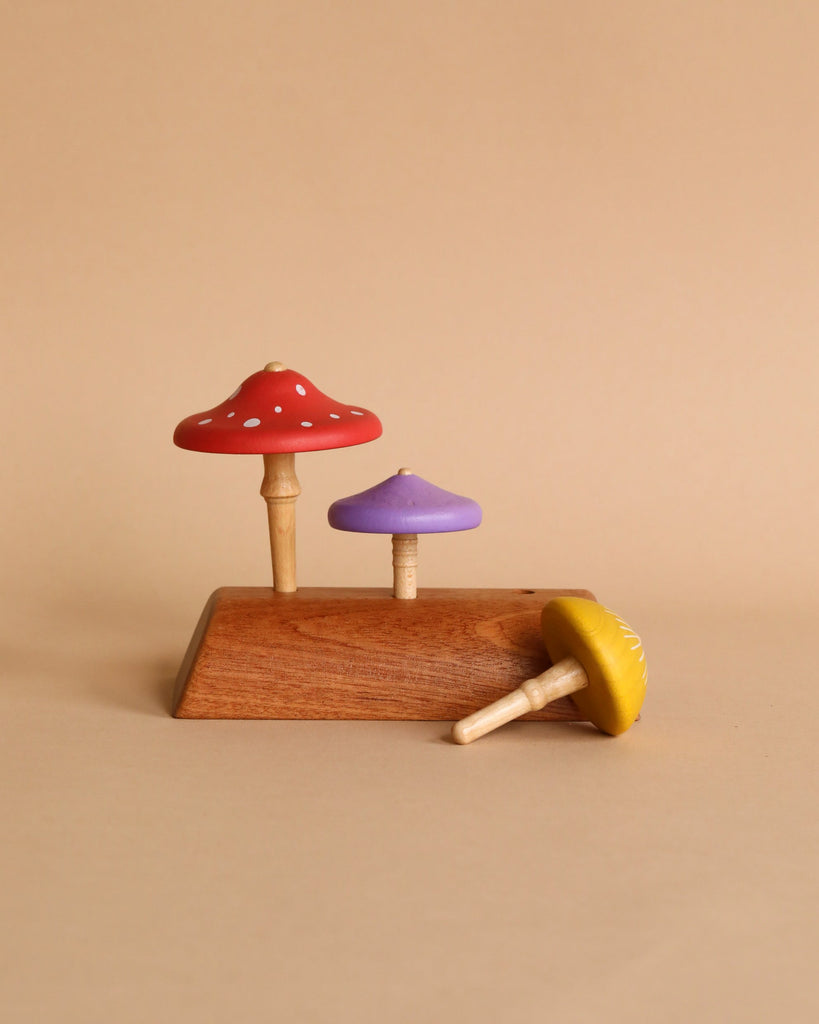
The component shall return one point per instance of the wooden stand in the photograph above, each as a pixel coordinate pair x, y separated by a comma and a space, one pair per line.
339, 653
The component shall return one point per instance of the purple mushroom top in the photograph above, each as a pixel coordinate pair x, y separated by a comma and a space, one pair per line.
404, 503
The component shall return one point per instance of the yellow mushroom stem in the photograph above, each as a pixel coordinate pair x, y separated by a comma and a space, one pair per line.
567, 676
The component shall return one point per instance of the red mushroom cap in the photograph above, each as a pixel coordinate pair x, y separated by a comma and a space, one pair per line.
274, 411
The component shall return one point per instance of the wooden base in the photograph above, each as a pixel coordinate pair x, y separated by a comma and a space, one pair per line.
338, 653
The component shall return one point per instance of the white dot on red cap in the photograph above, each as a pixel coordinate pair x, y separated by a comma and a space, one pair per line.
334, 416
231, 414
252, 422
300, 389
306, 423
278, 409
203, 422
355, 412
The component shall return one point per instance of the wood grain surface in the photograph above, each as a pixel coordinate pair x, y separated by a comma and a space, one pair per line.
339, 653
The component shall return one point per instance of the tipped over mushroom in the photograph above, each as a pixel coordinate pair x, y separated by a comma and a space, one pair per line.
276, 413
404, 505
597, 658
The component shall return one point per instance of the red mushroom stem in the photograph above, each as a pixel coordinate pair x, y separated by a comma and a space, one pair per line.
280, 488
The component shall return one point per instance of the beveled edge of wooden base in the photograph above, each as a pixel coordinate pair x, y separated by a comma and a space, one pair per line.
189, 658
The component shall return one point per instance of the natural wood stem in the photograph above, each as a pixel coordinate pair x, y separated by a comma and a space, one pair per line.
280, 488
404, 564
567, 676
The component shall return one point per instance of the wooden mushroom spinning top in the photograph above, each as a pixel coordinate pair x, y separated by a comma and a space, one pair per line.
276, 413
597, 658
404, 505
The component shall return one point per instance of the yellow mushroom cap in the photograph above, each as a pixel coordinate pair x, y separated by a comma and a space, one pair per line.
610, 652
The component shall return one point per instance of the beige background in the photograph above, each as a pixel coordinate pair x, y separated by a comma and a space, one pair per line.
567, 251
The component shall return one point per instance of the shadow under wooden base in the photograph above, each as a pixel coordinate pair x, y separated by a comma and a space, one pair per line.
342, 653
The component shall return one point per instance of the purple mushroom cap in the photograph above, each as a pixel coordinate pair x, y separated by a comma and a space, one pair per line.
404, 503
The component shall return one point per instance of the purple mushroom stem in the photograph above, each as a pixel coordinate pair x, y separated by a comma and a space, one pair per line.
404, 505
404, 565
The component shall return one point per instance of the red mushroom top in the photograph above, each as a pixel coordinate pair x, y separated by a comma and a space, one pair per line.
276, 410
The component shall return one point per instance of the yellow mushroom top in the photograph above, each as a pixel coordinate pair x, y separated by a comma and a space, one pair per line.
610, 652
